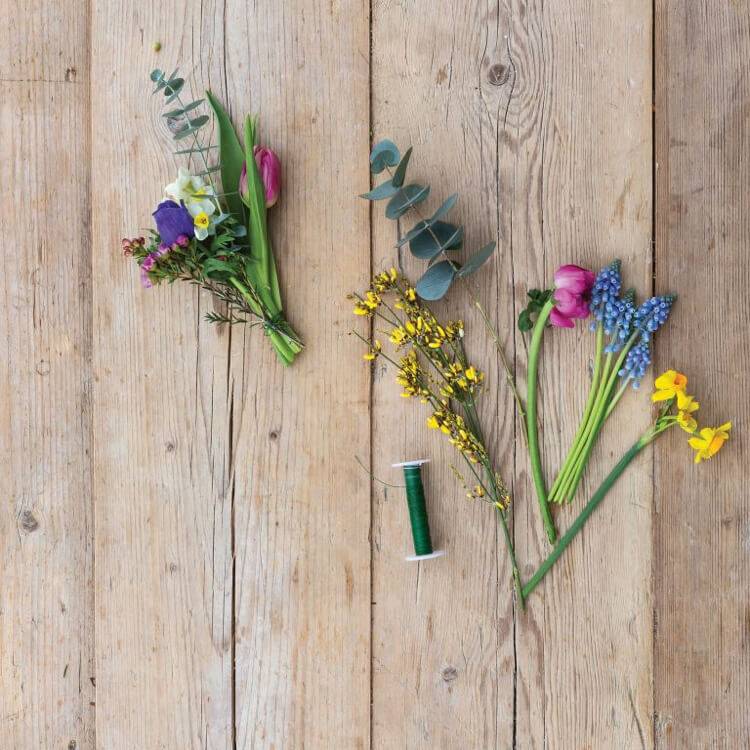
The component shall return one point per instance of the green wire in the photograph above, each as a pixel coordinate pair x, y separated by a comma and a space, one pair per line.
420, 527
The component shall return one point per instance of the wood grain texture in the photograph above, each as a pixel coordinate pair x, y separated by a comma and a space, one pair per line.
443, 649
579, 165
191, 556
702, 533
46, 522
162, 414
301, 502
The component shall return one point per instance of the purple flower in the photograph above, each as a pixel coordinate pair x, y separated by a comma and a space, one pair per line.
172, 222
572, 294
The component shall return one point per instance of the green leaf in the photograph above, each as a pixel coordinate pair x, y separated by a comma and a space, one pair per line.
231, 158
174, 86
422, 225
400, 173
441, 236
524, 321
384, 190
196, 150
184, 110
185, 132
436, 281
267, 283
384, 154
477, 260
406, 198
443, 210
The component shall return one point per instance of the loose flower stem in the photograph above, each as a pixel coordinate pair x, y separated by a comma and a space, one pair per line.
590, 507
531, 421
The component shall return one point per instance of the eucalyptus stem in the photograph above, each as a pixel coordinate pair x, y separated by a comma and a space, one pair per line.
591, 506
531, 421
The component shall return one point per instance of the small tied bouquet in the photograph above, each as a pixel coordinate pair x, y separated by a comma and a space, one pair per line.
216, 235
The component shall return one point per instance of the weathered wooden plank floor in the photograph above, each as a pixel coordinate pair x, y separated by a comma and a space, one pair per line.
191, 556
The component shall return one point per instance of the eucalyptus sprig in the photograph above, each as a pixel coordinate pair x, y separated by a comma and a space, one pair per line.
434, 240
430, 238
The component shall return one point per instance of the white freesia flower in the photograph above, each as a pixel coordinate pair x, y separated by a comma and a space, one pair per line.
198, 198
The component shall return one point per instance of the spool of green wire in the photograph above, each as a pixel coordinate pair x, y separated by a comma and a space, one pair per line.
420, 525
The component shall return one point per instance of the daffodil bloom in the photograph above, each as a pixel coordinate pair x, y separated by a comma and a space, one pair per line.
687, 405
710, 441
669, 385
687, 421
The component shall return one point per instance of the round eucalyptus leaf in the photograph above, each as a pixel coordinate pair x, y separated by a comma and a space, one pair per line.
477, 260
436, 281
384, 154
405, 198
385, 190
440, 236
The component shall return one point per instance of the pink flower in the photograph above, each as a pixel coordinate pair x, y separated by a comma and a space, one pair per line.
572, 294
269, 167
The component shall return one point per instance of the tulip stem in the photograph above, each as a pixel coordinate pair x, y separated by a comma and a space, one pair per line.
531, 421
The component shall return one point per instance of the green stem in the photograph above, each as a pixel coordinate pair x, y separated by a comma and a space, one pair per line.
590, 401
590, 507
596, 424
531, 421
512, 554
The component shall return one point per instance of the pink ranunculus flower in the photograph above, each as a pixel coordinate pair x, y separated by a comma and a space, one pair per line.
269, 167
572, 294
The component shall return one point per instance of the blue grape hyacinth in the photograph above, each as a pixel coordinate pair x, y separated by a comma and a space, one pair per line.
605, 291
618, 321
652, 315
636, 363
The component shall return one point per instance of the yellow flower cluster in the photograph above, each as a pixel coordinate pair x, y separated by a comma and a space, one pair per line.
384, 282
453, 425
478, 491
706, 443
411, 377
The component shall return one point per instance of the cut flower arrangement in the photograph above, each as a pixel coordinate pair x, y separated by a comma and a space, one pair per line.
215, 234
431, 363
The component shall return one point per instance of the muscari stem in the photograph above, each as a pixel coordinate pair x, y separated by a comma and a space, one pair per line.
599, 417
531, 421
593, 392
590, 507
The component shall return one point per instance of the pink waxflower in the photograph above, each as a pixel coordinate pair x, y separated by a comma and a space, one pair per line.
572, 294
269, 167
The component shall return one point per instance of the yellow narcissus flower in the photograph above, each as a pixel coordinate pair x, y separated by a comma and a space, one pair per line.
671, 384
710, 441
685, 417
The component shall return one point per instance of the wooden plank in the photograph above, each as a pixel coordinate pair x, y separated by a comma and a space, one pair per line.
162, 413
301, 503
580, 170
701, 570
46, 516
443, 630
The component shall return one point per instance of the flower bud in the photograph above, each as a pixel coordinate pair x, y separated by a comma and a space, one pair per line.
269, 167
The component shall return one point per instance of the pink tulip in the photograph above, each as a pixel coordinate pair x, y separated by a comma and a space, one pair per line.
572, 293
269, 167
